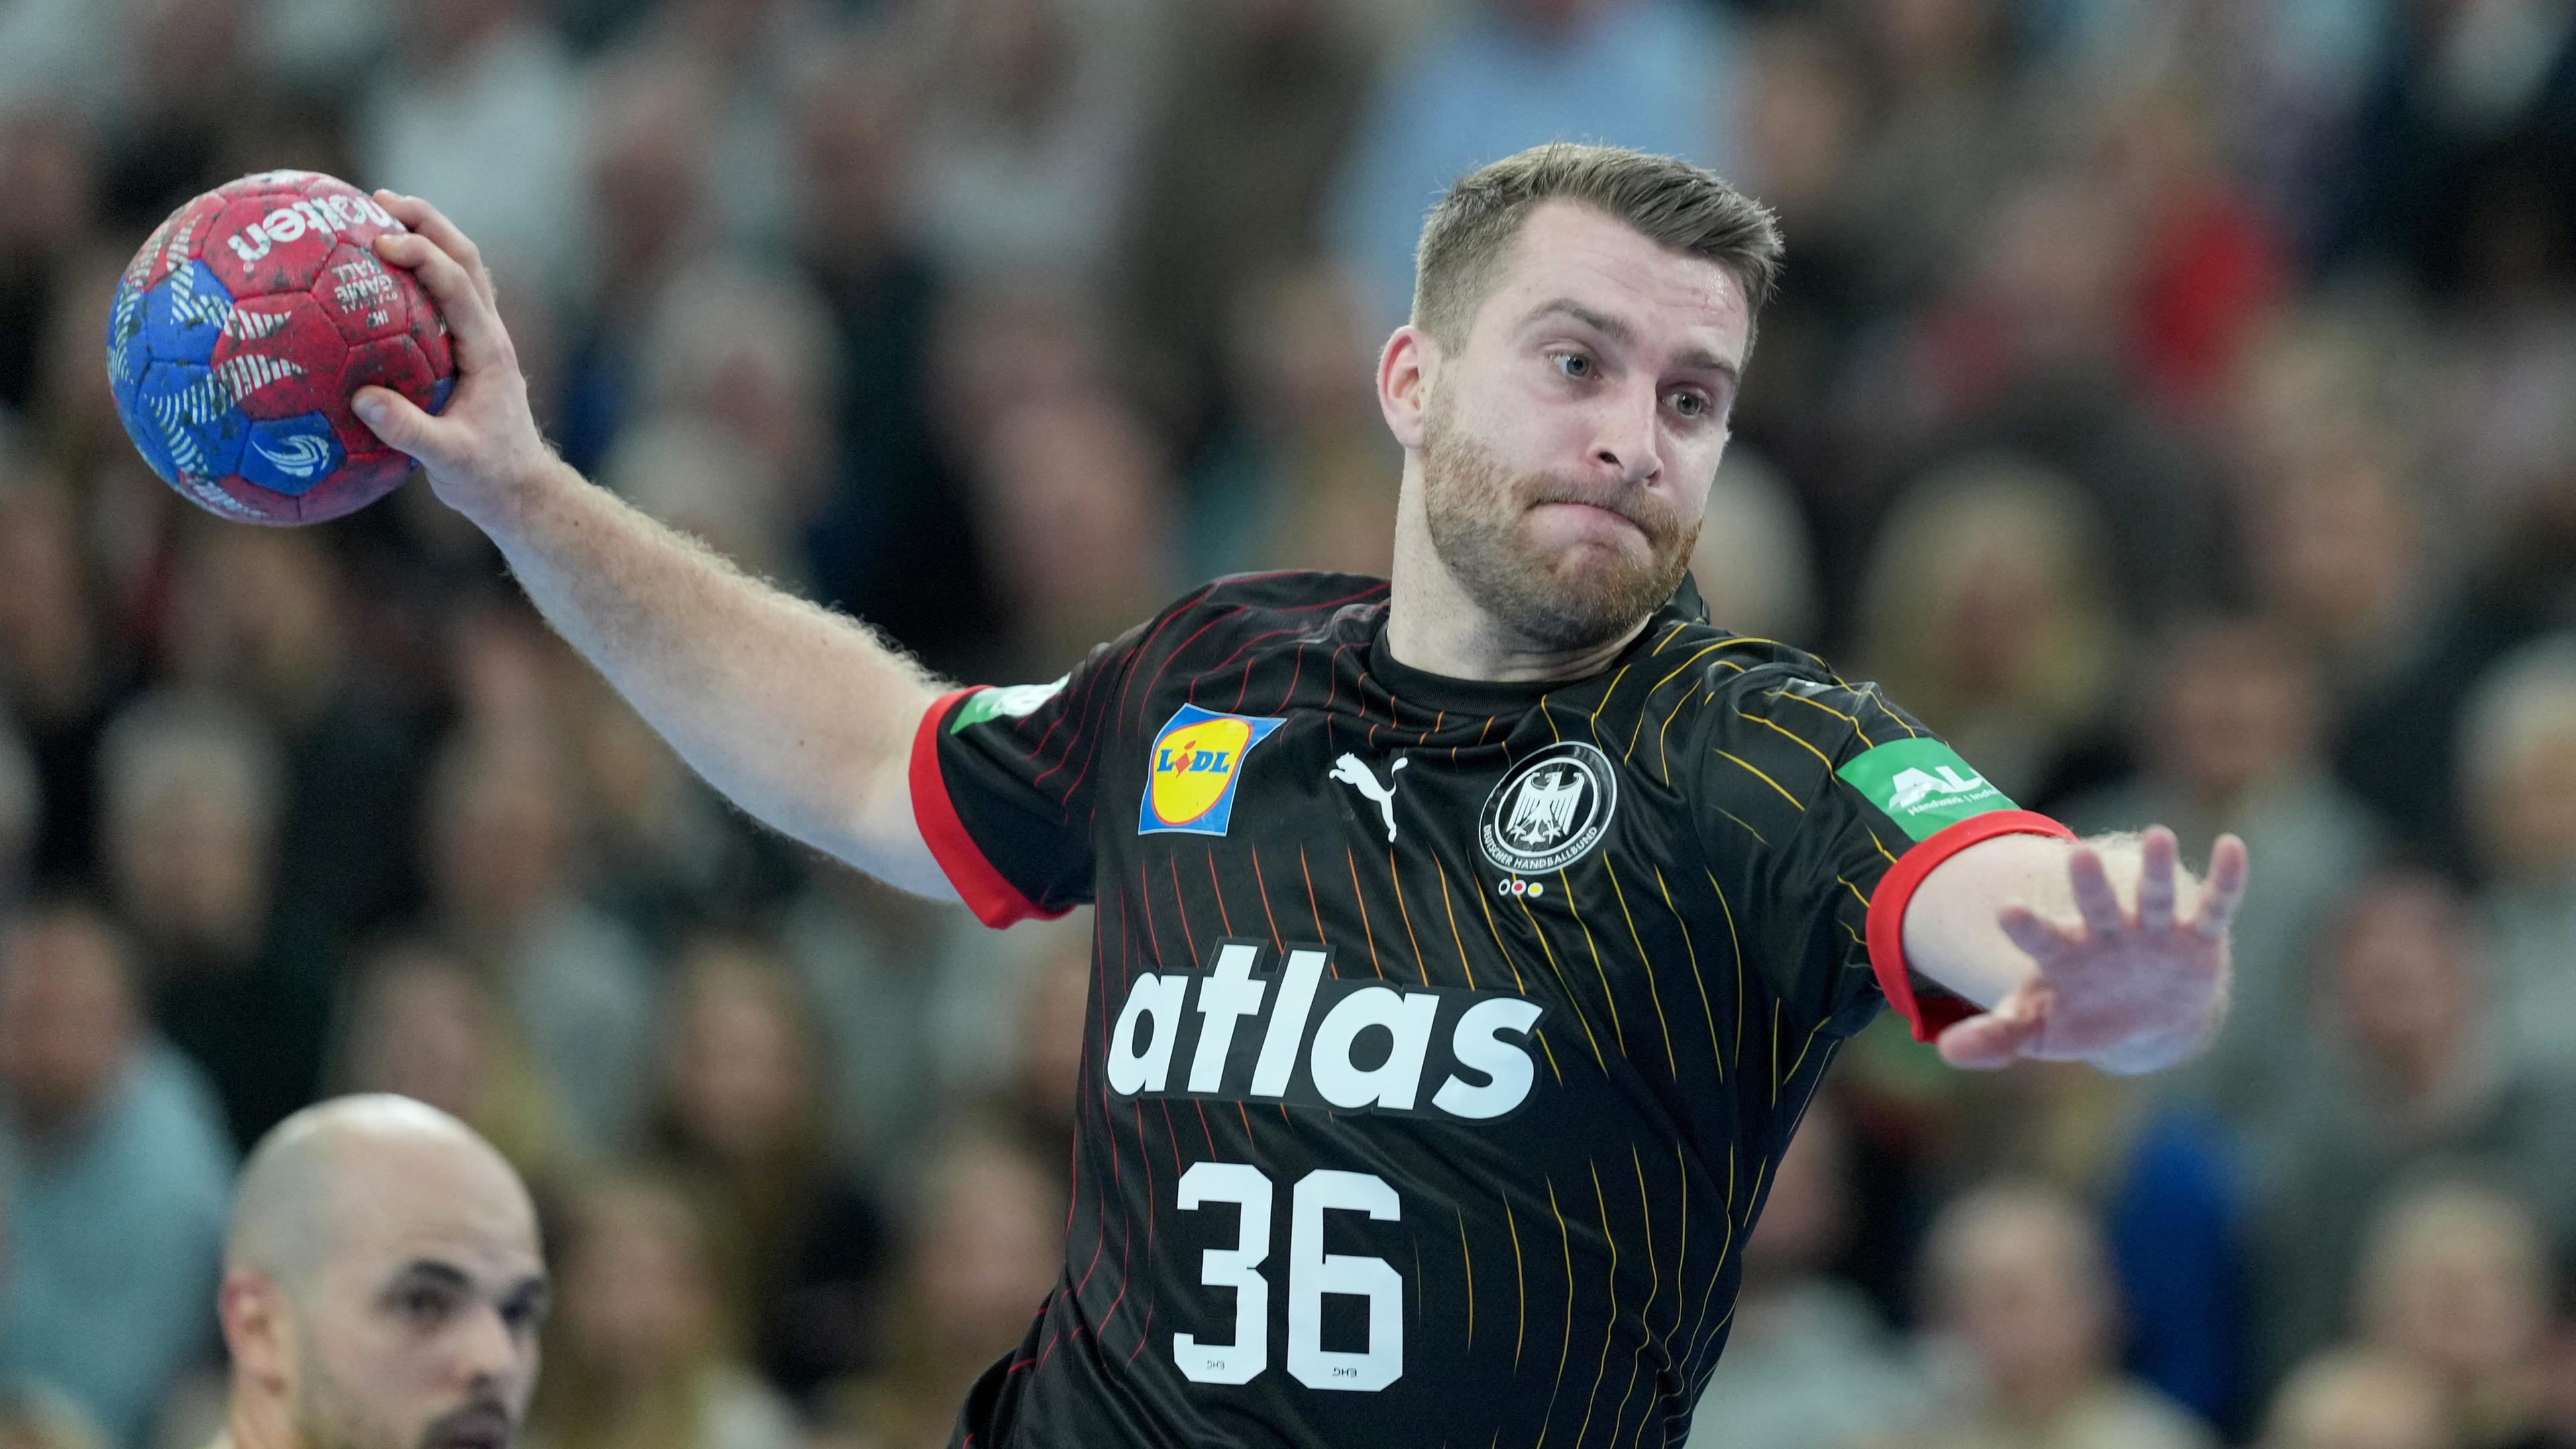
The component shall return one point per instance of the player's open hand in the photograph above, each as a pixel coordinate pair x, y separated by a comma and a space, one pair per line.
2130, 990
485, 446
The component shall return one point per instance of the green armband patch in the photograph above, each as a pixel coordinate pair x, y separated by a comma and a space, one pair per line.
1016, 701
1922, 785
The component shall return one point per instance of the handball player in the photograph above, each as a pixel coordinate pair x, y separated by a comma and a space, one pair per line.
382, 1285
1467, 942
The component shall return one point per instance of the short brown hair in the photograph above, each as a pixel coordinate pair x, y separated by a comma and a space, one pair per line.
1679, 206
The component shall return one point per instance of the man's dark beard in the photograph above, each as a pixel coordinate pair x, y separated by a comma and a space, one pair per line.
1477, 509
327, 1417
484, 1422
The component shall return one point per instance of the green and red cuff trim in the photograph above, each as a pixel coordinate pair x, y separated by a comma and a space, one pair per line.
1930, 1015
987, 892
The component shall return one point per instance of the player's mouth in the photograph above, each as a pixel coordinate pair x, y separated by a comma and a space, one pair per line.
1591, 522
477, 1428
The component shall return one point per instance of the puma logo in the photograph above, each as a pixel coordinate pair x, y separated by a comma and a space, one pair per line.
1351, 772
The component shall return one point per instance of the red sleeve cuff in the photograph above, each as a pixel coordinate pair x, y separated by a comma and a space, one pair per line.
994, 900
1896, 891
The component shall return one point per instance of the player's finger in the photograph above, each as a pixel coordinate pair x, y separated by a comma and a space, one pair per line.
2094, 898
401, 423
2043, 939
1995, 1038
432, 223
481, 344
2156, 879
2228, 868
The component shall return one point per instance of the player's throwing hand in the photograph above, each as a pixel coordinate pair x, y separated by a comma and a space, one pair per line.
2150, 978
485, 446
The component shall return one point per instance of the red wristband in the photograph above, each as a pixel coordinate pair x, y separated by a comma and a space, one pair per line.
1896, 891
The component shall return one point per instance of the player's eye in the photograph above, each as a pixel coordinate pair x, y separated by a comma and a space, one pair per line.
1574, 364
1691, 403
424, 1304
522, 1315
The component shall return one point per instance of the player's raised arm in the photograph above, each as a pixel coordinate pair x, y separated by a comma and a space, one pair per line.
1989, 928
2104, 951
801, 716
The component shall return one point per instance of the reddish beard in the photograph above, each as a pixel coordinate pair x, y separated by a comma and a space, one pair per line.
1573, 597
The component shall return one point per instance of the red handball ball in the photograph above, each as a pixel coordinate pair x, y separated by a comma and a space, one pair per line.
239, 333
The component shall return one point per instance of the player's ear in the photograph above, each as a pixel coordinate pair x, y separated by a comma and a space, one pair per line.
1404, 383
252, 1308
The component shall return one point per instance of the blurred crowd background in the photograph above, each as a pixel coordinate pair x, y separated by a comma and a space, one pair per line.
2173, 401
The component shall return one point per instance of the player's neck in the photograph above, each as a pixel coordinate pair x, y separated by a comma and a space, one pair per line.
1479, 648
253, 1420
1433, 625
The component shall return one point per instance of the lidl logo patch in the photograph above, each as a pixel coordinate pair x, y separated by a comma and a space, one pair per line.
1922, 785
1197, 760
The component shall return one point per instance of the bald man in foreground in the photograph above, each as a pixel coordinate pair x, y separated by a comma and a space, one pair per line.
383, 1285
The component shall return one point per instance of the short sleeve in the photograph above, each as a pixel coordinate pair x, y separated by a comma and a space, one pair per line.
1829, 806
1002, 787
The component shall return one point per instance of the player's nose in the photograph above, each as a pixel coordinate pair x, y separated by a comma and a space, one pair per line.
1625, 439
487, 1352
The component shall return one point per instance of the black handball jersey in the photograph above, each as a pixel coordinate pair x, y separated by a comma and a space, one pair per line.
1442, 1035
